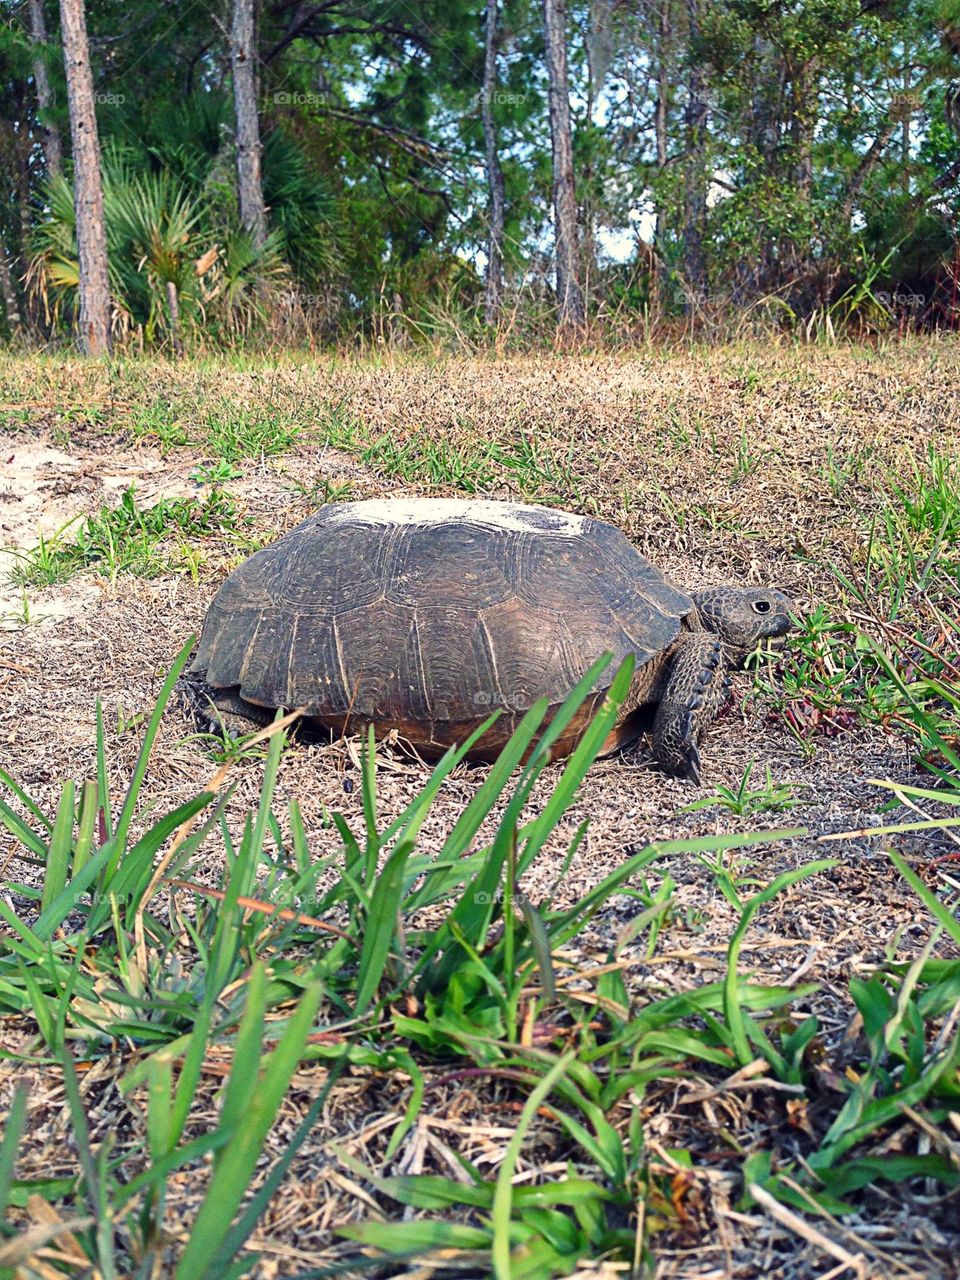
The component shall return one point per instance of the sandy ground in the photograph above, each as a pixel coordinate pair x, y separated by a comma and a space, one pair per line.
89, 638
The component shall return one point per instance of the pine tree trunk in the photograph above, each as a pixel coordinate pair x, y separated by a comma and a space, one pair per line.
695, 188
494, 279
253, 214
600, 49
758, 273
664, 42
24, 153
50, 137
173, 311
94, 323
572, 317
10, 305
803, 123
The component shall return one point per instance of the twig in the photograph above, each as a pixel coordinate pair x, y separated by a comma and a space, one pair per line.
268, 908
745, 1078
937, 1136
793, 1222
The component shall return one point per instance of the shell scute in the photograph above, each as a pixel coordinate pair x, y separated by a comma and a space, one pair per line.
460, 565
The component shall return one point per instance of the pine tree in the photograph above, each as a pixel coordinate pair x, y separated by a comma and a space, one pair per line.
94, 310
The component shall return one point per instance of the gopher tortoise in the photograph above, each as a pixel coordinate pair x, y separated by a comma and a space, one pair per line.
424, 616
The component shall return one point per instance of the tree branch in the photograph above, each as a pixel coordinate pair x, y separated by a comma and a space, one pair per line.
867, 162
408, 142
302, 25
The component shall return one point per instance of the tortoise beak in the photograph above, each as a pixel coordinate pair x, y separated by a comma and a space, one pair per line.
775, 641
783, 625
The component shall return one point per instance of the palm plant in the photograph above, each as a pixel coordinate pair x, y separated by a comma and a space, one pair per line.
155, 236
179, 261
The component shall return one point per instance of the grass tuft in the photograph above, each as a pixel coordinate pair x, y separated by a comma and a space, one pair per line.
145, 542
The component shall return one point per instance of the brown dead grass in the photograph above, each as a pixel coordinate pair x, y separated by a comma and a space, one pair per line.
717, 464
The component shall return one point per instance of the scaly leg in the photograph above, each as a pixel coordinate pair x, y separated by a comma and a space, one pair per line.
696, 688
221, 710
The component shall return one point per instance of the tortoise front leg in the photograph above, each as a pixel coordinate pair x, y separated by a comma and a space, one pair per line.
696, 687
221, 710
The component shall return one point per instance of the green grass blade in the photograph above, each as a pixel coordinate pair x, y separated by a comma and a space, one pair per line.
245, 1068
298, 837
30, 805
937, 909
572, 703
573, 919
12, 1133
103, 777
429, 1191
380, 925
244, 1226
475, 909
22, 833
441, 878
369, 785
261, 818
35, 945
85, 826
944, 796
441, 771
732, 1008
945, 748
65, 902
43, 1008
140, 769
540, 940
190, 1073
402, 1239
134, 871
579, 761
160, 1169
237, 1161
502, 1212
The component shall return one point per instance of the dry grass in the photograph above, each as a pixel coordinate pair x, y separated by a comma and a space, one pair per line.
757, 464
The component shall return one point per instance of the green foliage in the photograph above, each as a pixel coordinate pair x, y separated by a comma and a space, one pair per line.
773, 797
175, 268
902, 582
531, 466
821, 182
254, 1092
95, 960
130, 539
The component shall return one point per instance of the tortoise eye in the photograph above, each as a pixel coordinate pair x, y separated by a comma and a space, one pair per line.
761, 606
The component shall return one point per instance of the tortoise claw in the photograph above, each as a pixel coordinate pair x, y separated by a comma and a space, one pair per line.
693, 763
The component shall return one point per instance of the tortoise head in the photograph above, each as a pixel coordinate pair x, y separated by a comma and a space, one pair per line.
744, 617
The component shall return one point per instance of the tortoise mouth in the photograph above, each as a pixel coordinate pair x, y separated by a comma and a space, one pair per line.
773, 644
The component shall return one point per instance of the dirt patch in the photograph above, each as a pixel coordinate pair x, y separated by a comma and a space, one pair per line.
36, 481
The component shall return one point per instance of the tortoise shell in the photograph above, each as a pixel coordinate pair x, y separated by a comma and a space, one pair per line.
426, 615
